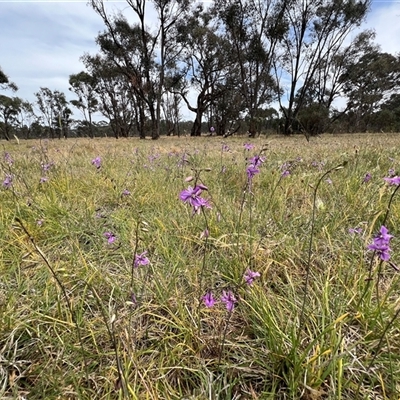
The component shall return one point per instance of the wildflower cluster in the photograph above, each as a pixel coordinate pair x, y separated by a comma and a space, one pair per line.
254, 167
381, 244
285, 169
46, 166
228, 298
250, 276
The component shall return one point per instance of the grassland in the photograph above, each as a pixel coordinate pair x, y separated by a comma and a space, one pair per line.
80, 319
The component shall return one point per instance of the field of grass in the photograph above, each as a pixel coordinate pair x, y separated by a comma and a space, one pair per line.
114, 287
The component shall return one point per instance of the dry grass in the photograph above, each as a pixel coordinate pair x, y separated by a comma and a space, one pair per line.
70, 328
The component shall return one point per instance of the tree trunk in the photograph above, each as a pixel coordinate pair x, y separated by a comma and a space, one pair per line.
196, 128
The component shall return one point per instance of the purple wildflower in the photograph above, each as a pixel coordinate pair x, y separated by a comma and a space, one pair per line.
318, 165
209, 300
391, 172
354, 231
46, 167
141, 259
229, 299
7, 183
251, 171
191, 195
285, 173
257, 160
250, 276
110, 237
97, 162
367, 177
381, 244
8, 159
212, 129
153, 157
43, 179
248, 146
126, 192
201, 203
395, 180
183, 160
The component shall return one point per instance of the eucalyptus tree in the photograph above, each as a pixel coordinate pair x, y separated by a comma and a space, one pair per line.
116, 99
9, 109
84, 86
253, 29
226, 113
130, 51
26, 118
171, 106
328, 83
389, 113
208, 63
55, 113
169, 13
63, 115
317, 111
369, 83
141, 55
315, 35
44, 102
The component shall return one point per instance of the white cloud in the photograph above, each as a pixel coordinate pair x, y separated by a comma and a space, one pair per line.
385, 20
42, 43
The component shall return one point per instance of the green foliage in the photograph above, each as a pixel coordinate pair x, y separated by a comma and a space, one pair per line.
55, 113
5, 82
367, 83
84, 86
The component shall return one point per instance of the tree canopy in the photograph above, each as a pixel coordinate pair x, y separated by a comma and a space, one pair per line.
237, 65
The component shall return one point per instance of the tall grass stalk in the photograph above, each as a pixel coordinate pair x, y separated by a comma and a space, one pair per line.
310, 243
63, 290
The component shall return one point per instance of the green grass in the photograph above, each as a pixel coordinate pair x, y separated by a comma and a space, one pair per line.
70, 328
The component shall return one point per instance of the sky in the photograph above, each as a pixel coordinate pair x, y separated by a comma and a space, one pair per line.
41, 41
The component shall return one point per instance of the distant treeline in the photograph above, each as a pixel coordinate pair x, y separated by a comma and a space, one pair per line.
240, 66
